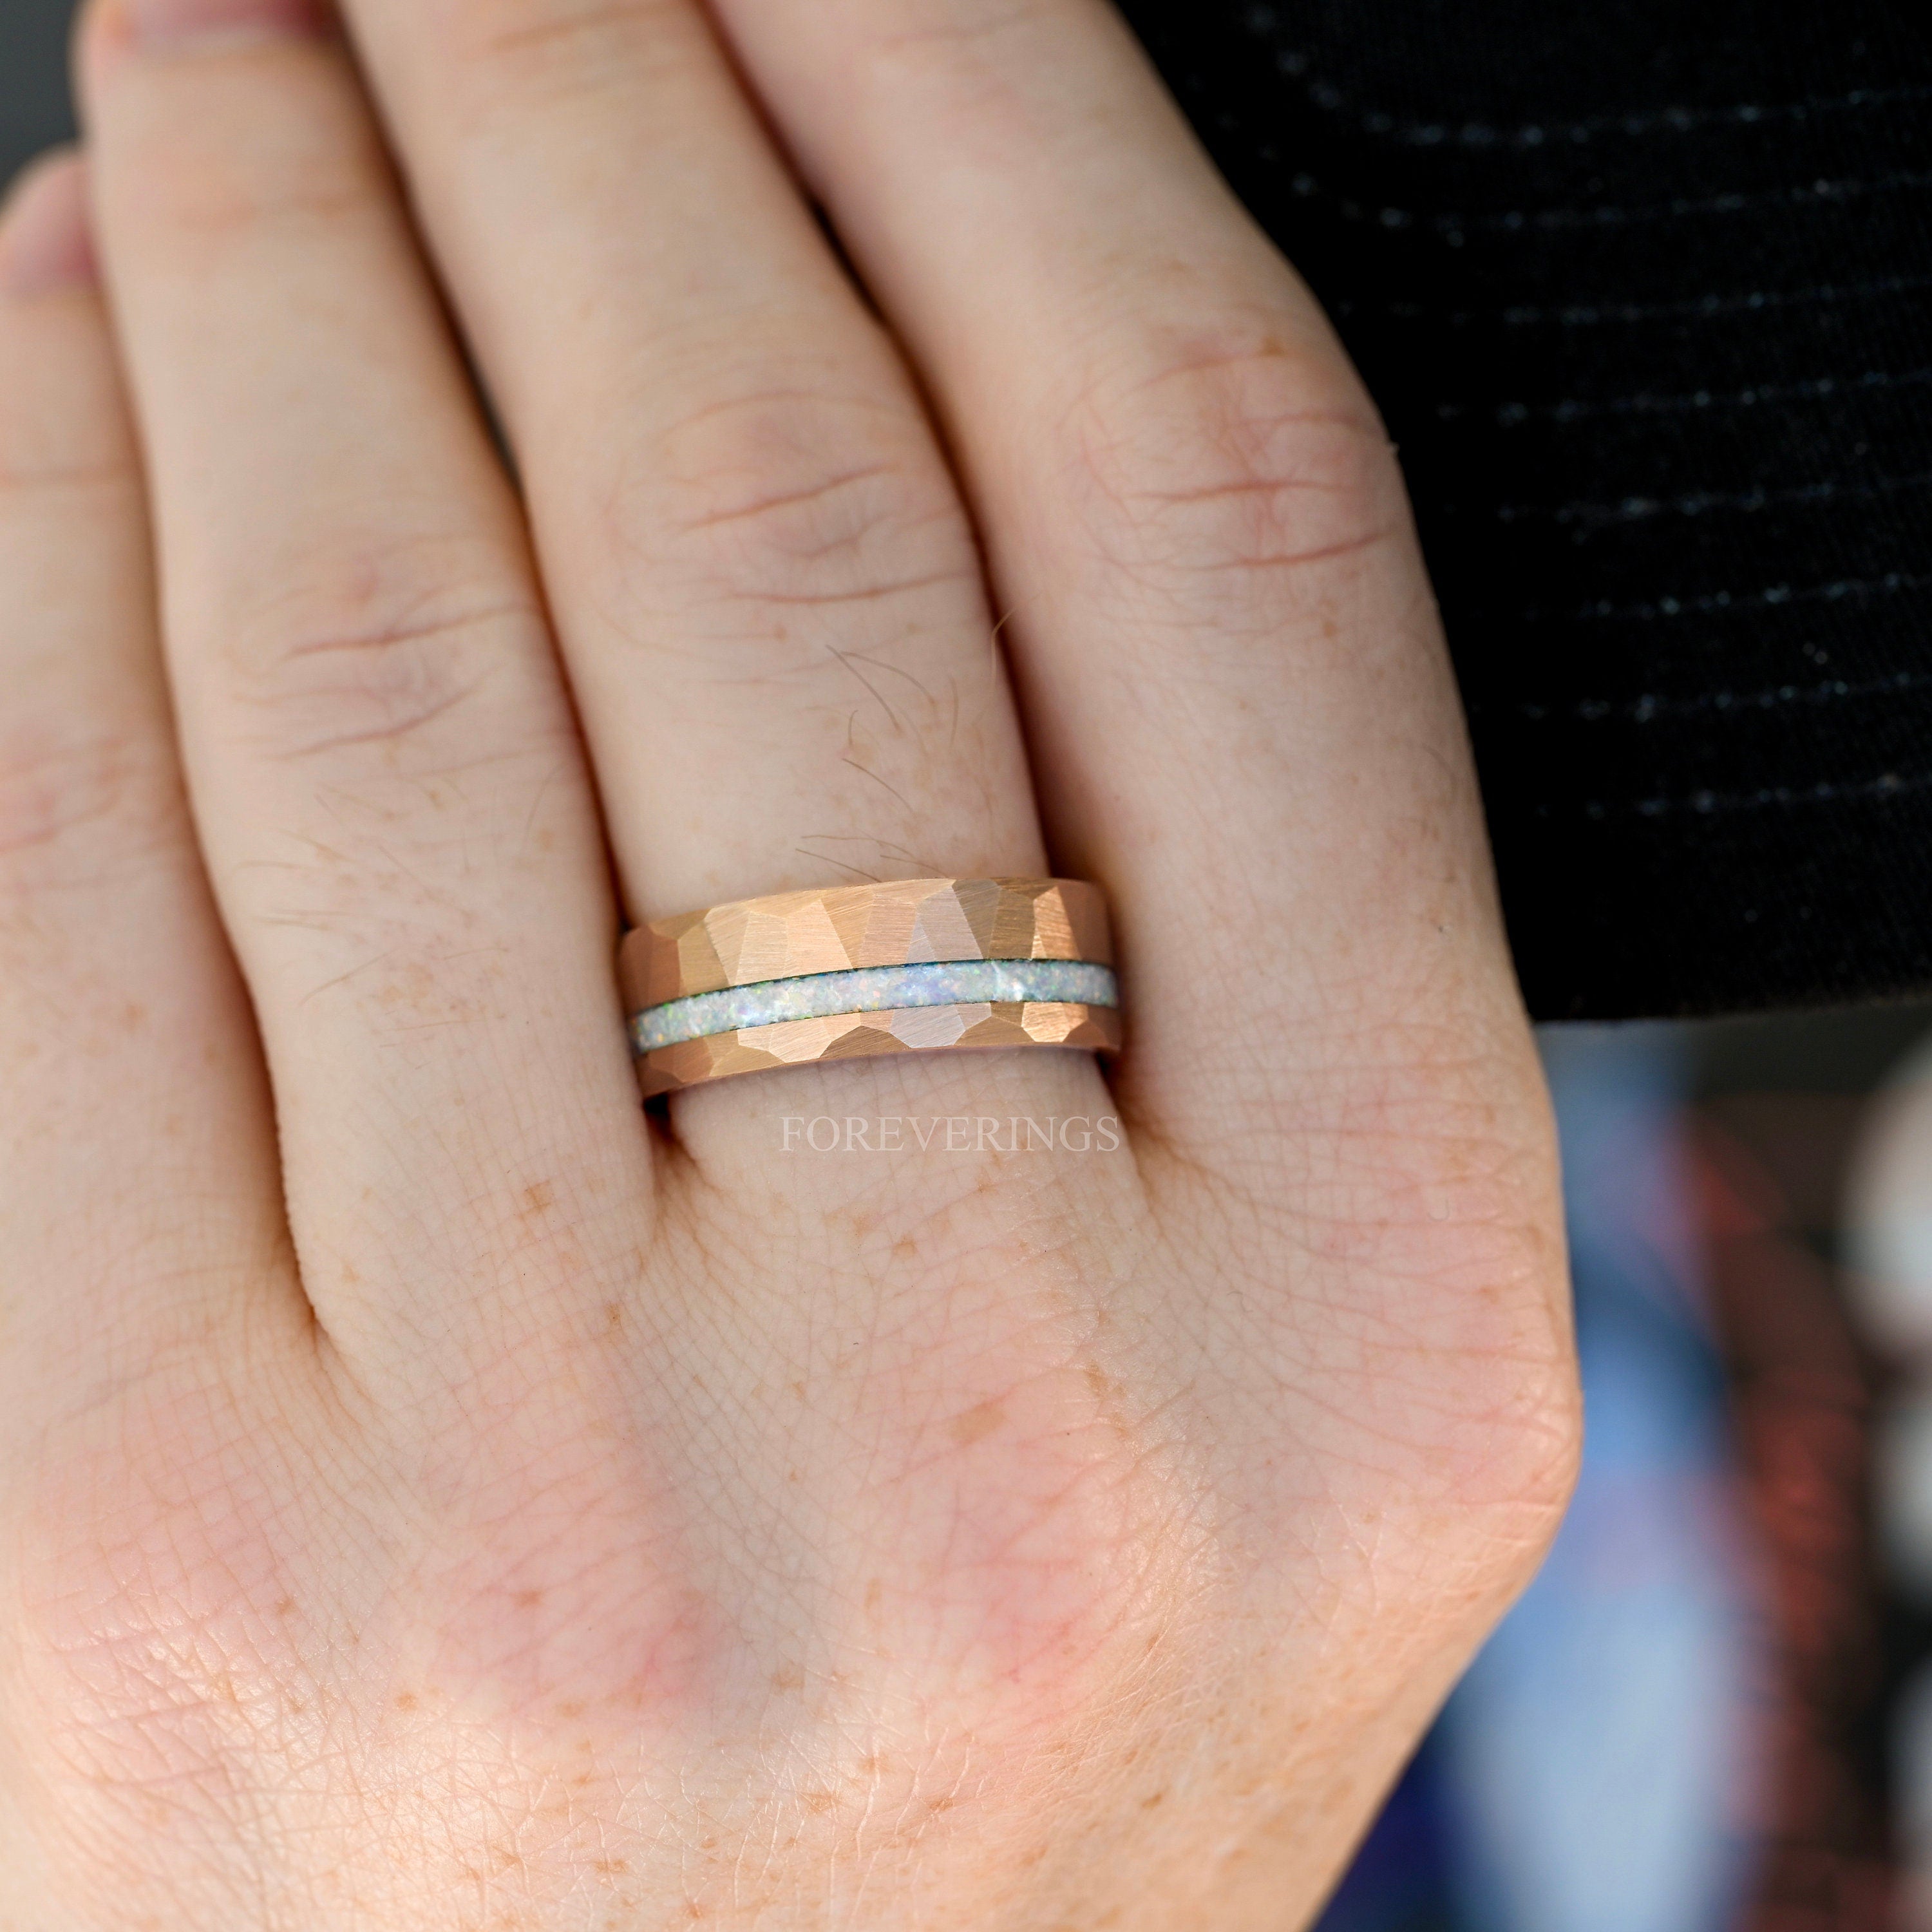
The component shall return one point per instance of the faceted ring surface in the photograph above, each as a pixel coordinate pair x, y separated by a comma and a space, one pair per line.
849, 972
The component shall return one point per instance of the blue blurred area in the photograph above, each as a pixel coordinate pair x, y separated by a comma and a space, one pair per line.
1592, 1772
1402, 1880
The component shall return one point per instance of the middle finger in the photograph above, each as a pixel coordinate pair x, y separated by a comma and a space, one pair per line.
769, 593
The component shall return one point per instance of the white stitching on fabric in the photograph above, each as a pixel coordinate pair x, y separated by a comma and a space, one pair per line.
1651, 705
1265, 23
1591, 315
1572, 408
1454, 229
1706, 602
1705, 804
1696, 503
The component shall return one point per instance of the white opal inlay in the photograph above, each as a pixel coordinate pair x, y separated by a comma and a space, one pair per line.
876, 989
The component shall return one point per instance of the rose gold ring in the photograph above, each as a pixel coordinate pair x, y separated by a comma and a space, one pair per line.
849, 972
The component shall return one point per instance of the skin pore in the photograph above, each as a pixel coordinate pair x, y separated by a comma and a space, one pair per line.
438, 1494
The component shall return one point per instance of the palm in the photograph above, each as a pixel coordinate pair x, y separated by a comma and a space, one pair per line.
497, 1510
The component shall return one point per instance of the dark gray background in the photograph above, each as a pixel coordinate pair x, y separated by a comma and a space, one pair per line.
34, 109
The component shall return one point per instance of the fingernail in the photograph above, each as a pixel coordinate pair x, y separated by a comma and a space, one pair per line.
176, 23
46, 242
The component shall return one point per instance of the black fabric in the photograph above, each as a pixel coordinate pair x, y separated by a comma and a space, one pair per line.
1642, 291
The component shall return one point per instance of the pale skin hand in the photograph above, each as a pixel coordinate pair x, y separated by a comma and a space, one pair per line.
437, 1496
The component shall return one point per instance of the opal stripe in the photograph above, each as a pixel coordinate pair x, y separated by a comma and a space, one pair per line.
876, 989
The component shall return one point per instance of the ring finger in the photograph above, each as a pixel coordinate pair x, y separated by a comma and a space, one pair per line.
769, 593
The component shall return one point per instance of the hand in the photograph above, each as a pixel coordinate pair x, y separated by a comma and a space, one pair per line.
439, 1495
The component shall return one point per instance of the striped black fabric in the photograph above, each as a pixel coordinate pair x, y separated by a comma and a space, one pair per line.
1643, 290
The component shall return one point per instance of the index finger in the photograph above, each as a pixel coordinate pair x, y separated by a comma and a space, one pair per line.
1240, 704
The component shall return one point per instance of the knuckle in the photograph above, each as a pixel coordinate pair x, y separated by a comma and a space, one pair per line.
67, 459
1496, 1372
1221, 459
794, 497
1497, 1530
34, 476
558, 47
962, 53
311, 163
1417, 1190
373, 656
64, 452
74, 802
1545, 1444
107, 1563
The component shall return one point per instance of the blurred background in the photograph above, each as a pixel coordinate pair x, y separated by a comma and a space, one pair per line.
34, 109
1713, 1711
